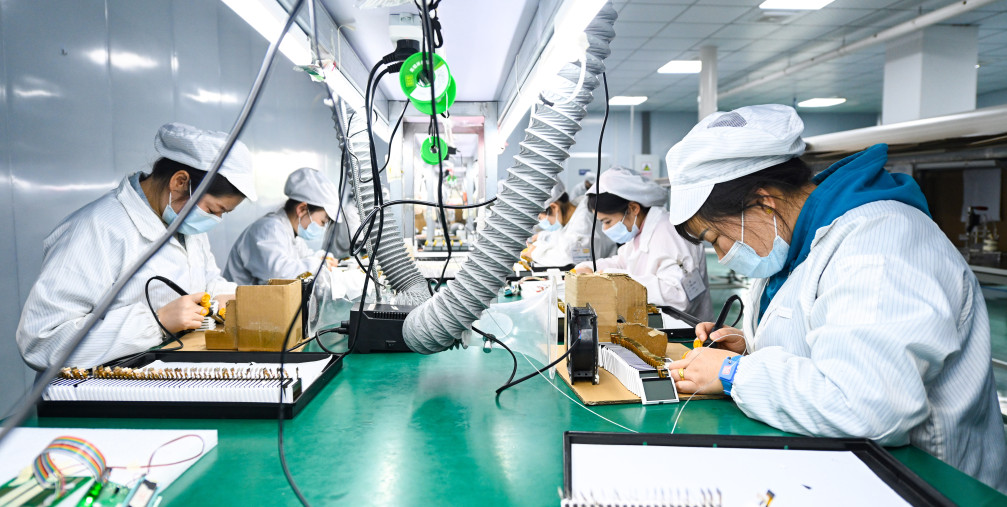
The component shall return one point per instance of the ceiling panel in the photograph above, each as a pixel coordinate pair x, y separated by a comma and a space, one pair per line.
641, 29
650, 12
711, 14
691, 30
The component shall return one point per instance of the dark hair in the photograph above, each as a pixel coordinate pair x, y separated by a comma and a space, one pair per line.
732, 198
165, 168
562, 201
611, 203
291, 205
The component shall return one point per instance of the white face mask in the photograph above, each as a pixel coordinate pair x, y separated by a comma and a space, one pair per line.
312, 231
197, 222
743, 258
619, 233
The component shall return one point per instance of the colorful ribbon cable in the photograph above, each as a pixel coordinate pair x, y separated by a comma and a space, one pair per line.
47, 474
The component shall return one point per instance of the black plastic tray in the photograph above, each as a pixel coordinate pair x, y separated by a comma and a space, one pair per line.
901, 479
200, 410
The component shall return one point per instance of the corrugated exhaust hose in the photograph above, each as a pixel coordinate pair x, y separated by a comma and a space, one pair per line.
440, 322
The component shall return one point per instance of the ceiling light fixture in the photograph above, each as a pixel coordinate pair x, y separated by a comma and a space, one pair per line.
794, 5
625, 100
567, 43
267, 17
681, 67
821, 102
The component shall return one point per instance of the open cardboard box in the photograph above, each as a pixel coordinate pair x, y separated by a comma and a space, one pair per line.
612, 296
258, 318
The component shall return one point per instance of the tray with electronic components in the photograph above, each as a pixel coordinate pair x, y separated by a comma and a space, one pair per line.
192, 385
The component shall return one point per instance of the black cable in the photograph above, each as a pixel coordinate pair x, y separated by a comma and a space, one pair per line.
597, 179
378, 201
428, 69
390, 139
42, 381
544, 368
146, 293
494, 339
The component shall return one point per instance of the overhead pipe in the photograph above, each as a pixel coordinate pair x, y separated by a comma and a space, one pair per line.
931, 18
980, 122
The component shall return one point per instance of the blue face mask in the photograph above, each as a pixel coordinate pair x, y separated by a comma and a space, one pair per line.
743, 259
619, 233
313, 231
547, 226
197, 222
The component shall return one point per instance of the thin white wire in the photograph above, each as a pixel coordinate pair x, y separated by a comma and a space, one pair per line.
682, 410
579, 404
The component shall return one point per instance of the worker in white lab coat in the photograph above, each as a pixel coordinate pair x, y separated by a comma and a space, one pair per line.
274, 246
652, 253
566, 233
864, 321
92, 248
580, 189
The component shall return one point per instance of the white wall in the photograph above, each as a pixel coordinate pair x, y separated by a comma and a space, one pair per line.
73, 123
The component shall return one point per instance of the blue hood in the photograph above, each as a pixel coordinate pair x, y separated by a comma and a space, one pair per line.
852, 182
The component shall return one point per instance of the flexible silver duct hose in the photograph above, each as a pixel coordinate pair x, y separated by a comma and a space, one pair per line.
400, 270
440, 322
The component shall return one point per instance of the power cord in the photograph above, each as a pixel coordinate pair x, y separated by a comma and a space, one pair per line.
494, 339
540, 370
597, 179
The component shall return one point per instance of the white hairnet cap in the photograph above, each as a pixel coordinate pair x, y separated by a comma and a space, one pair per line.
631, 186
557, 191
311, 186
198, 149
726, 146
590, 177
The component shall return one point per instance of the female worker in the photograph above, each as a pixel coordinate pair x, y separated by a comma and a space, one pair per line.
274, 245
566, 233
93, 247
652, 253
864, 320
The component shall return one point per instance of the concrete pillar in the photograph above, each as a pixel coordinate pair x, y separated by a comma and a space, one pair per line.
708, 81
931, 72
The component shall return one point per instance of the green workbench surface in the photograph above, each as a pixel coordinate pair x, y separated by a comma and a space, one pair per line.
405, 429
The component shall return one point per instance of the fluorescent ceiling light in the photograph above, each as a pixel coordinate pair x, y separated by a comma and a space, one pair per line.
821, 102
624, 100
681, 67
795, 5
268, 17
566, 44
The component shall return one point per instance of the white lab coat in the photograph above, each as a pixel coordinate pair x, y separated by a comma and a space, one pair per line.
85, 255
577, 191
659, 258
269, 249
882, 332
572, 243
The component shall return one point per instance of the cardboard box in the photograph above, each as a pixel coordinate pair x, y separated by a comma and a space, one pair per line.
225, 337
258, 318
264, 314
612, 296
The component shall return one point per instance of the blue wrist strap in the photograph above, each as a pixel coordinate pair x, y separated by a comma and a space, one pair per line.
727, 371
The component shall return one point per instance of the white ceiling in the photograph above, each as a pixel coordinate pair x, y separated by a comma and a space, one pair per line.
651, 32
481, 38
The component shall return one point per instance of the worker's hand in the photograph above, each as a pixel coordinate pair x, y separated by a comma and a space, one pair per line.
183, 313
533, 238
583, 270
331, 262
701, 368
222, 299
727, 337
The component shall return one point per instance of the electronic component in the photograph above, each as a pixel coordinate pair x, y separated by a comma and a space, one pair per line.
143, 494
582, 336
379, 329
